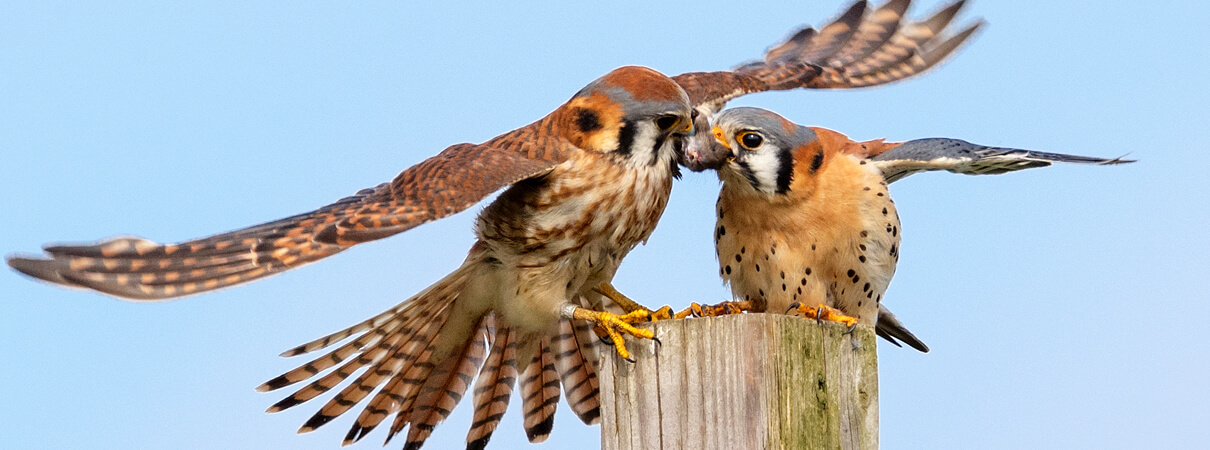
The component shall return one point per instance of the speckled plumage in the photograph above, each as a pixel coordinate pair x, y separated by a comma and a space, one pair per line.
831, 238
804, 214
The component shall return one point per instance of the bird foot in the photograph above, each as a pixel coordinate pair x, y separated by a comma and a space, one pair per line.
615, 326
820, 313
630, 306
720, 309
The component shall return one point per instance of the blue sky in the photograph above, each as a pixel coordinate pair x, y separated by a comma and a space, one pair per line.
1066, 307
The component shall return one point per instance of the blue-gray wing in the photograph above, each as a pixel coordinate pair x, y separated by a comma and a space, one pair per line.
959, 156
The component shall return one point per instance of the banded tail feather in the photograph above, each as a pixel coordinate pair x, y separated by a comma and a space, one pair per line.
401, 358
540, 393
394, 347
575, 359
445, 288
447, 383
494, 388
375, 357
399, 394
378, 334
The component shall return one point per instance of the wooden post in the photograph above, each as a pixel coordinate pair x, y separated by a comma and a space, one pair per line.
749, 381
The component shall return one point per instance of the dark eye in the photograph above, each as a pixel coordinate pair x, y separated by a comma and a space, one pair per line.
750, 140
665, 123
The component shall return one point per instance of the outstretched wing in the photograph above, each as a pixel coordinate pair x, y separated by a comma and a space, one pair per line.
440, 186
958, 156
858, 49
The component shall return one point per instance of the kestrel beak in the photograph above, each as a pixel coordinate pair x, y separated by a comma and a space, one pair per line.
720, 137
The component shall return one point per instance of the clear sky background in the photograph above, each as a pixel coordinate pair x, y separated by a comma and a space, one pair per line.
1066, 307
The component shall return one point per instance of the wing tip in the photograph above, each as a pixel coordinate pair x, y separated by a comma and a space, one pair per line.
943, 17
38, 267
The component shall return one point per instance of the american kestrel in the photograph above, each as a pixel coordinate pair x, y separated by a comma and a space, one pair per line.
583, 186
805, 220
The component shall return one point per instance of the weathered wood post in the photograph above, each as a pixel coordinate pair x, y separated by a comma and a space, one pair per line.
749, 381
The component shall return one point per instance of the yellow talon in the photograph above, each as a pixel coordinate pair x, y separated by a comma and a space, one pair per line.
694, 310
631, 306
821, 312
614, 326
664, 313
725, 308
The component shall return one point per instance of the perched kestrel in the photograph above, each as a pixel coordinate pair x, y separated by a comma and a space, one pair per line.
583, 186
805, 221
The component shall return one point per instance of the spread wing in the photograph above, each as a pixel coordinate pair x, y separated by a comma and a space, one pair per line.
900, 160
440, 186
858, 49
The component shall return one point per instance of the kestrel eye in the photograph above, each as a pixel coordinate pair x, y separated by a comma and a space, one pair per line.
750, 140
666, 123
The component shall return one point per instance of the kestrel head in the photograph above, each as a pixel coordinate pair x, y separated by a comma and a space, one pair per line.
760, 148
633, 113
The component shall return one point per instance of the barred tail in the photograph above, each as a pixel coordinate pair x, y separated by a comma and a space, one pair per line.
540, 392
494, 388
576, 360
447, 383
394, 349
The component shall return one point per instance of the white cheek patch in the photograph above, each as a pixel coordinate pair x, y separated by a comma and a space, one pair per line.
643, 151
763, 166
644, 142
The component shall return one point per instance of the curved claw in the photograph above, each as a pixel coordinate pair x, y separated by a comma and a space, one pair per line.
615, 326
664, 313
694, 310
821, 313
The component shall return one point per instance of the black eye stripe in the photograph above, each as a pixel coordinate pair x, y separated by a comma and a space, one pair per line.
747, 170
785, 170
625, 138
